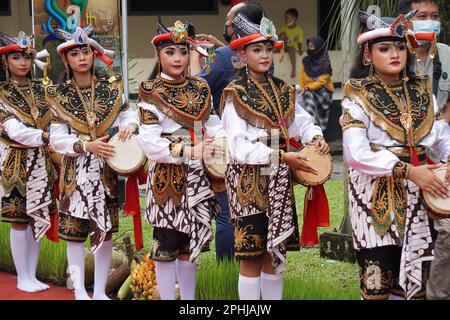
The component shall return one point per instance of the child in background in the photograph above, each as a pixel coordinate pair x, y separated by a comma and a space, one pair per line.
292, 34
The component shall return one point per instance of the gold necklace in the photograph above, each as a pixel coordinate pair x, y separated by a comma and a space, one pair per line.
88, 106
29, 100
403, 106
275, 106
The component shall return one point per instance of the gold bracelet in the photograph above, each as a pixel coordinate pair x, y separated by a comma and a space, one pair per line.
45, 137
400, 170
78, 146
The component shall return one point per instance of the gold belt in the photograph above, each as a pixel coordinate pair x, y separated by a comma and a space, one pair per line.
400, 151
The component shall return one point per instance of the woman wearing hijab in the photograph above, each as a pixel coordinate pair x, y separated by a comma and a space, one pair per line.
315, 81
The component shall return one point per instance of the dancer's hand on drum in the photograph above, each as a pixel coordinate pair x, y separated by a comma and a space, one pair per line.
126, 132
426, 180
321, 146
196, 152
447, 175
100, 147
298, 162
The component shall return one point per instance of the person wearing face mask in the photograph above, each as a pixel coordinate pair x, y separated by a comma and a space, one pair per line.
438, 69
315, 81
434, 64
292, 34
219, 76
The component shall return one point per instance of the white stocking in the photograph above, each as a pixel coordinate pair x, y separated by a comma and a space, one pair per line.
33, 249
187, 277
249, 288
271, 286
19, 254
76, 261
165, 279
102, 263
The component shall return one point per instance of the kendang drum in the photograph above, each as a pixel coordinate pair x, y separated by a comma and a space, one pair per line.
323, 164
215, 163
440, 207
128, 158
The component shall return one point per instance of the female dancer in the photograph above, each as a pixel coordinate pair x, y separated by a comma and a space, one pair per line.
257, 108
27, 173
181, 202
389, 125
86, 106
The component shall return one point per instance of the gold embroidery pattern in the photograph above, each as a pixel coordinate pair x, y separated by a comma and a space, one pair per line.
350, 122
251, 104
400, 170
5, 115
14, 171
253, 187
148, 117
168, 183
245, 240
185, 101
389, 196
17, 105
68, 176
383, 112
69, 107
14, 209
375, 284
72, 228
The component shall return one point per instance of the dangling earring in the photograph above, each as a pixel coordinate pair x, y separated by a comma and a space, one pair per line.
68, 80
405, 75
7, 73
371, 69
189, 70
366, 62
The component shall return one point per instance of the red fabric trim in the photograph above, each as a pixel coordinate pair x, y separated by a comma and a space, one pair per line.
316, 213
13, 47
52, 233
132, 205
235, 44
425, 36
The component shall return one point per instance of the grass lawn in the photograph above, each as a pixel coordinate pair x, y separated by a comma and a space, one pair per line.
307, 275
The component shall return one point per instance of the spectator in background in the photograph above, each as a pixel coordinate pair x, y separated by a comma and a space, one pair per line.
315, 81
220, 75
292, 34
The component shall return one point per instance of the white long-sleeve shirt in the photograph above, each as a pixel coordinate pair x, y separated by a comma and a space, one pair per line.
63, 136
241, 135
21, 133
155, 147
359, 155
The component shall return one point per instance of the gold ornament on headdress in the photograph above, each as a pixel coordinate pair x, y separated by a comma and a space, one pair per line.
179, 33
267, 28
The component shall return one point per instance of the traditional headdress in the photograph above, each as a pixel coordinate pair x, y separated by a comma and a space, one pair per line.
180, 33
81, 36
377, 29
249, 32
23, 43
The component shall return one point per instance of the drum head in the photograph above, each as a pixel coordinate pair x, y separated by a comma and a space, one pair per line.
215, 164
322, 163
438, 205
128, 158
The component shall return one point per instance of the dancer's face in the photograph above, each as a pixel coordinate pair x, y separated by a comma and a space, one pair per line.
389, 58
259, 58
19, 64
80, 59
174, 60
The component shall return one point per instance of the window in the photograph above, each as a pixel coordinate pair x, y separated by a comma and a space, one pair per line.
327, 11
172, 7
5, 7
